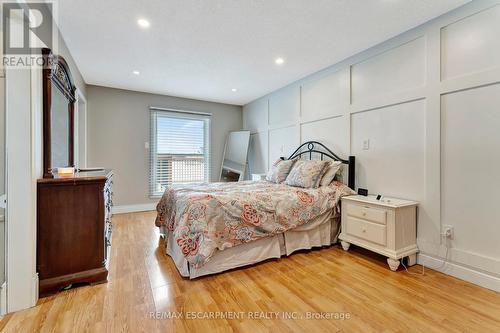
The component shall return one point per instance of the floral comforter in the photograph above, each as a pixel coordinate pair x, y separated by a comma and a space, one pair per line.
209, 217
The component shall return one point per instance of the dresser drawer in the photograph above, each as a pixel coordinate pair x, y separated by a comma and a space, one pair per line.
367, 213
369, 231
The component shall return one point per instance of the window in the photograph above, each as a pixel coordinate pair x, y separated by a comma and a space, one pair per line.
179, 149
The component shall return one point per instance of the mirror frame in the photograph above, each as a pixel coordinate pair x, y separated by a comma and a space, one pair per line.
245, 166
56, 75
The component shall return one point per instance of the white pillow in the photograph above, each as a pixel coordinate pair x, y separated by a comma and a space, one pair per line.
306, 173
330, 171
279, 171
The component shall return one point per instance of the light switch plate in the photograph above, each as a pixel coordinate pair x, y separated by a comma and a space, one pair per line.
366, 144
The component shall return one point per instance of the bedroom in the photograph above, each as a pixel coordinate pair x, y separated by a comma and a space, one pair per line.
235, 144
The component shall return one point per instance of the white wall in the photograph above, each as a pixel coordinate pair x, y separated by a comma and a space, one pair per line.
428, 103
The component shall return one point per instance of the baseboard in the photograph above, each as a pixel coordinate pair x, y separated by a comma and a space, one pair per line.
482, 279
470, 259
134, 208
34, 290
3, 299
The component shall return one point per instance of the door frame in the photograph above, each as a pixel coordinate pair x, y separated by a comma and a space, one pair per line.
3, 287
81, 100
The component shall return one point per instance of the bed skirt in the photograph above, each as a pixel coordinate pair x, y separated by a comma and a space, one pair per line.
323, 231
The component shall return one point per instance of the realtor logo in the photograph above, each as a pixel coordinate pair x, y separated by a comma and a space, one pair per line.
28, 27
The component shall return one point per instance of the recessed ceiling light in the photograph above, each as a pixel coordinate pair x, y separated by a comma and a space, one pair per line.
136, 72
143, 23
279, 61
234, 90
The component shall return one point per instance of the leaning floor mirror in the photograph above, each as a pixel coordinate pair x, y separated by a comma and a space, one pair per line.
234, 160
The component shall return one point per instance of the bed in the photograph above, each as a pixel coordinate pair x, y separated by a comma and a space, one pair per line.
211, 228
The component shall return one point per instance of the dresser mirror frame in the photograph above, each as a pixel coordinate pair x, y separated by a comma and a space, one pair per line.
56, 75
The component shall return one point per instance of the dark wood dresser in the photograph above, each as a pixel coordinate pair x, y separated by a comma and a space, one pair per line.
73, 229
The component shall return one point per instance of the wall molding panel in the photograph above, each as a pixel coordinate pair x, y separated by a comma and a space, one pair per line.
470, 81
325, 97
463, 44
397, 70
409, 109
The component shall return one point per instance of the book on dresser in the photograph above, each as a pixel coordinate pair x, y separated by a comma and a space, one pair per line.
73, 229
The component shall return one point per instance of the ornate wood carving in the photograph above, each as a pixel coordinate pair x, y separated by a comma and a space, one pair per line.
56, 74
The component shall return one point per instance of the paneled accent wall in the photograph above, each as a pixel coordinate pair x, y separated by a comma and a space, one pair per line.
396, 70
421, 113
282, 141
284, 106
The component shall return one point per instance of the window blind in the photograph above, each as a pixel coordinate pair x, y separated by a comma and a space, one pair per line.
179, 149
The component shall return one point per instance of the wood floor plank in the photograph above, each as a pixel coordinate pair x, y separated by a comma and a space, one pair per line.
144, 286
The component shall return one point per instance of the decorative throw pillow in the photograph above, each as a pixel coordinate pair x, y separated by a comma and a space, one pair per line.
330, 171
279, 171
339, 176
306, 174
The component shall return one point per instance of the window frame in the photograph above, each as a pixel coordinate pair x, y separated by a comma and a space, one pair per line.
153, 151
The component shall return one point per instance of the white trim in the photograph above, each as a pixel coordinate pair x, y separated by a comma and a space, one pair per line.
34, 289
462, 272
134, 208
23, 125
474, 261
308, 120
156, 108
80, 98
3, 299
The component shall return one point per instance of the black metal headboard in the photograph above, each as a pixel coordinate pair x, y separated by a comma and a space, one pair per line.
311, 147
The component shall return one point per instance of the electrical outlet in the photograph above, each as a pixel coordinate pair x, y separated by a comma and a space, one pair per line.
448, 231
366, 144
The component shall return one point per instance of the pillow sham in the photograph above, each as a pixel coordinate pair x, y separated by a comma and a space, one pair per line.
279, 171
339, 176
306, 174
330, 171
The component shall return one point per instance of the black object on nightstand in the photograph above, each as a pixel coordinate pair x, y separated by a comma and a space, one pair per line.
363, 191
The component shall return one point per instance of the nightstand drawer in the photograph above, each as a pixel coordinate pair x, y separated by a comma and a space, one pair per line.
369, 231
367, 213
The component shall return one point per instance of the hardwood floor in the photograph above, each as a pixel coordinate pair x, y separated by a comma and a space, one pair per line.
143, 281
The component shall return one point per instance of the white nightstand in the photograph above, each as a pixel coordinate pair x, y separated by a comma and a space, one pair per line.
387, 226
258, 176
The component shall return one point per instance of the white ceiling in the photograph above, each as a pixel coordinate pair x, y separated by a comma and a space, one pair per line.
203, 48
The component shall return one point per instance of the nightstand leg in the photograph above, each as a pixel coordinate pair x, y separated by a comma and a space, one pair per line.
393, 264
412, 259
345, 245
